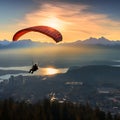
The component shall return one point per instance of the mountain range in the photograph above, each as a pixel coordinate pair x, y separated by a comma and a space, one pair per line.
102, 41
26, 43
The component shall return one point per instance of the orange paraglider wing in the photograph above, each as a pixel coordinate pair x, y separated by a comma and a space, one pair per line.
49, 31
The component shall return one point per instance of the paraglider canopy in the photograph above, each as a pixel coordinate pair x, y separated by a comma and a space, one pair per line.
49, 31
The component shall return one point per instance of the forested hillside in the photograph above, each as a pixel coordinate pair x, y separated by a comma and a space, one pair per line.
46, 110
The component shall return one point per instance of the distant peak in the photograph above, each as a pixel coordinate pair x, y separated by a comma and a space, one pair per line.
103, 38
91, 38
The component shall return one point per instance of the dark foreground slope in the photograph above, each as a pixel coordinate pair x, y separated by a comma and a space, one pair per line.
46, 110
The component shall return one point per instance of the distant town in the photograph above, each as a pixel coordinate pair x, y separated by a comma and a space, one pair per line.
100, 89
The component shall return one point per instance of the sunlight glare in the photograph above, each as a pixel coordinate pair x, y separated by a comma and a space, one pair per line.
53, 22
51, 71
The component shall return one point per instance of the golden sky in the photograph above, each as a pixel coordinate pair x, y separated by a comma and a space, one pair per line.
74, 21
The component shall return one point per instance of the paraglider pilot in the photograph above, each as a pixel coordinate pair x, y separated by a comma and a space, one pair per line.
34, 68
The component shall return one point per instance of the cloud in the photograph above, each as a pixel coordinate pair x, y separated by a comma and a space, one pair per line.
76, 21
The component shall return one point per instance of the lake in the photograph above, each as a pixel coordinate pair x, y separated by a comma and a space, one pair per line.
40, 72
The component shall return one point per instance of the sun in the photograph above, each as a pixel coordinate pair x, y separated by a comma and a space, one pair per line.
53, 22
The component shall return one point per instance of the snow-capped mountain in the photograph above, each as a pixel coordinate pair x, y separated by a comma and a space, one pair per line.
4, 42
26, 43
22, 44
100, 41
94, 41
